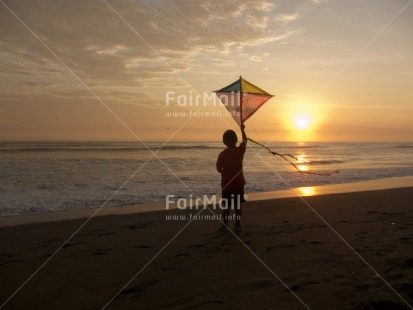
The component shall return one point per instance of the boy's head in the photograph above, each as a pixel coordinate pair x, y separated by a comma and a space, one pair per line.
230, 138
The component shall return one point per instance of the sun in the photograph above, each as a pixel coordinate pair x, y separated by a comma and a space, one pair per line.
302, 122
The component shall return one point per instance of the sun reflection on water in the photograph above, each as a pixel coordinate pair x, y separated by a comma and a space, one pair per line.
303, 168
307, 191
302, 161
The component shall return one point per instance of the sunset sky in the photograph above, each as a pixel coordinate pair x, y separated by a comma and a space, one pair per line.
340, 70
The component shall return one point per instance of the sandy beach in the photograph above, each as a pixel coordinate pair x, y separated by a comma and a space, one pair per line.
318, 252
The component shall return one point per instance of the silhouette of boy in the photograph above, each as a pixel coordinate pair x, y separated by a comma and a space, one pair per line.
229, 164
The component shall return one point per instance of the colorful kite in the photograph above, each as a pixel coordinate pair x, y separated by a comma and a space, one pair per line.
242, 99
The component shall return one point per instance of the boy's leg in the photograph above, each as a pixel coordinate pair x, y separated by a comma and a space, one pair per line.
238, 214
239, 199
226, 205
225, 213
237, 225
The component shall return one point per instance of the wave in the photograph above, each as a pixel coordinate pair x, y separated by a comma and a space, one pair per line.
185, 147
103, 149
303, 147
404, 146
322, 162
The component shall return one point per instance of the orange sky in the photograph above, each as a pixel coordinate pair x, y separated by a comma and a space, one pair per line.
339, 70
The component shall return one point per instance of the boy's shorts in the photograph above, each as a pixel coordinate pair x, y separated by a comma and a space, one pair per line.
234, 196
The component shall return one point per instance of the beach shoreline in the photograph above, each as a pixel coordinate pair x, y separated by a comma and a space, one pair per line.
372, 185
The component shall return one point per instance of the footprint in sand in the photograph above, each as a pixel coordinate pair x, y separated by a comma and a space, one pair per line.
12, 261
168, 269
142, 246
86, 235
210, 302
7, 255
129, 291
260, 283
364, 222
179, 255
296, 287
196, 246
47, 243
394, 277
399, 263
362, 287
50, 241
338, 276
106, 234
409, 262
312, 242
316, 242
132, 227
379, 305
71, 244
382, 252
139, 288
281, 246
140, 225
100, 251
389, 213
408, 288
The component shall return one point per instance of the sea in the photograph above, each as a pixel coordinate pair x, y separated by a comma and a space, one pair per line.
54, 176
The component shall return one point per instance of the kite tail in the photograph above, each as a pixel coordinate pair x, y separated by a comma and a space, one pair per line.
284, 156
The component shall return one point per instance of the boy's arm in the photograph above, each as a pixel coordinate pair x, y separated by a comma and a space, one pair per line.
244, 136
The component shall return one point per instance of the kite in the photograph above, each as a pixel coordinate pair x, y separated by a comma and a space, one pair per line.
242, 99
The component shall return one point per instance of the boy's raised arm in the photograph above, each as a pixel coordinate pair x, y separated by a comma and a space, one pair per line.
244, 136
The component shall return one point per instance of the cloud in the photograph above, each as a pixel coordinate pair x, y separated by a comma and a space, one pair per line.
319, 1
255, 58
287, 17
102, 50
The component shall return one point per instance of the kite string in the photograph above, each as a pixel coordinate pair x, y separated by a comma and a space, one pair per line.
250, 122
274, 153
284, 156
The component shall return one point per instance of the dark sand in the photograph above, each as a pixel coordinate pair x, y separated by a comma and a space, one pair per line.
282, 240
